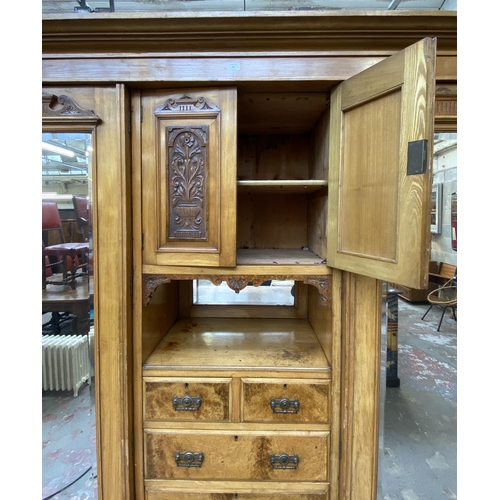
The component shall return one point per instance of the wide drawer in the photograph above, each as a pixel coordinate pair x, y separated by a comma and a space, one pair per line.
228, 455
187, 399
269, 495
274, 400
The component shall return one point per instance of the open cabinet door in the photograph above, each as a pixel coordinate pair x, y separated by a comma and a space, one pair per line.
380, 168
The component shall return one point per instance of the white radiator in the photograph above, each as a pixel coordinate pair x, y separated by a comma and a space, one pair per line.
65, 362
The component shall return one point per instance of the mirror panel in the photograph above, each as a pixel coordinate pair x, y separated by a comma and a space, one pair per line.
68, 400
445, 162
269, 293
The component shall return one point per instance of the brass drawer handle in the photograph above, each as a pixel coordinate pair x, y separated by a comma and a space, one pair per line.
284, 405
188, 459
186, 403
284, 461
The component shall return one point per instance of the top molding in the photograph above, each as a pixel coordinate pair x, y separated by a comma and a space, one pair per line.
291, 31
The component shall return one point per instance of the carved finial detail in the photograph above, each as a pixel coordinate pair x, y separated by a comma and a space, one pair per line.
186, 104
445, 91
64, 106
237, 284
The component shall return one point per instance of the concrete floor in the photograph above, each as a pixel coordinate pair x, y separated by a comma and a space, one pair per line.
418, 456
419, 451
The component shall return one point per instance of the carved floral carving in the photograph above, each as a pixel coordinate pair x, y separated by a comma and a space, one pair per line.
187, 170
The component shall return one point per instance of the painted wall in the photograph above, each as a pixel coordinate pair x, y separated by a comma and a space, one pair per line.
445, 173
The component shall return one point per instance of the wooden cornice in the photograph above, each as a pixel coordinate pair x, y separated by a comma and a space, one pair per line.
285, 31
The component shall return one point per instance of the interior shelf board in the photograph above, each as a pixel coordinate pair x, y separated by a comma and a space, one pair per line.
272, 256
282, 186
239, 343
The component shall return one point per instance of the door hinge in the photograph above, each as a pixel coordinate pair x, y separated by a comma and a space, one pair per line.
142, 241
417, 157
340, 449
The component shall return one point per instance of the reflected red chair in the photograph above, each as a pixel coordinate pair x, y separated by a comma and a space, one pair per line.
81, 206
68, 260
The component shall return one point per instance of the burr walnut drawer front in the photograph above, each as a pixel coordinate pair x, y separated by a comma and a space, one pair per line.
243, 456
187, 399
275, 400
152, 494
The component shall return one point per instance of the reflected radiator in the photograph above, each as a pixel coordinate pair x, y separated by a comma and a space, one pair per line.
65, 362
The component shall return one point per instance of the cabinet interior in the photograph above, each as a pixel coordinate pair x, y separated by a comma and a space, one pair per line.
172, 320
233, 358
282, 172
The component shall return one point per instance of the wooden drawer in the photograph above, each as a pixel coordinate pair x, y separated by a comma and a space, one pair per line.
233, 455
275, 400
195, 399
269, 495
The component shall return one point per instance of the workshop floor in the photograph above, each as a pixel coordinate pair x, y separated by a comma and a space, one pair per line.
419, 457
419, 450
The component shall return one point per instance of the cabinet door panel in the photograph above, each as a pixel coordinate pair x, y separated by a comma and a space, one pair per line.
379, 213
189, 177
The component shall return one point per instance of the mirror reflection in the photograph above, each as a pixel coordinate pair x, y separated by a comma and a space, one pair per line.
269, 293
68, 417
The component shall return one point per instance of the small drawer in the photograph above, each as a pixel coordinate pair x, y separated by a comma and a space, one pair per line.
275, 400
232, 455
186, 399
154, 494
177, 495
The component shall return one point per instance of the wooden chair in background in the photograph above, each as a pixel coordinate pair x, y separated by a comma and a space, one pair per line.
445, 295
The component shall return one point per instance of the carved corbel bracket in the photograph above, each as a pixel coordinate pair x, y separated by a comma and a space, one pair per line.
63, 107
235, 283
150, 282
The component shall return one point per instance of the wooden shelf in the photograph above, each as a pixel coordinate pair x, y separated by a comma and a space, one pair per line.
222, 343
277, 257
281, 186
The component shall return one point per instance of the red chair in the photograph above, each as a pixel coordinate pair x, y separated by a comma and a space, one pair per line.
81, 206
70, 259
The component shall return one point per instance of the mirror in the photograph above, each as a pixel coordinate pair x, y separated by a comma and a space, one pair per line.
454, 213
436, 196
269, 293
68, 399
443, 200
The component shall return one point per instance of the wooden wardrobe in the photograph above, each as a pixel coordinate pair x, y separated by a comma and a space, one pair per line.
233, 150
